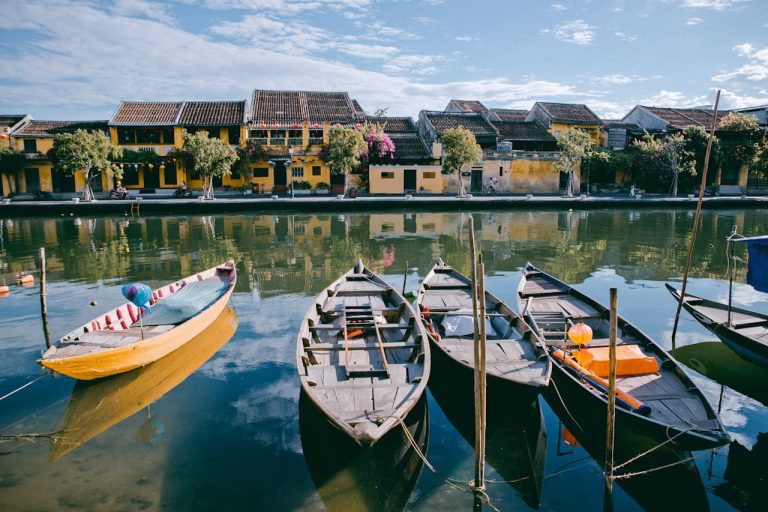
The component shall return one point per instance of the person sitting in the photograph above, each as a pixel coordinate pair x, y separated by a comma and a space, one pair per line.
119, 192
182, 190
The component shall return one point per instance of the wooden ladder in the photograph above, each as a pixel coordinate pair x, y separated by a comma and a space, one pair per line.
552, 326
135, 208
361, 317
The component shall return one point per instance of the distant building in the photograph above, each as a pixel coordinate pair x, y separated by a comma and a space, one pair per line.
465, 106
505, 114
659, 119
557, 117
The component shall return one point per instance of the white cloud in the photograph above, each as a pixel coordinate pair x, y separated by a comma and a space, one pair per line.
754, 71
744, 49
575, 32
291, 7
625, 37
694, 21
368, 51
275, 35
143, 9
466, 39
616, 79
674, 99
558, 7
718, 5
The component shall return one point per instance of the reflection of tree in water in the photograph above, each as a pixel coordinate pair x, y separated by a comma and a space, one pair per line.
96, 260
573, 260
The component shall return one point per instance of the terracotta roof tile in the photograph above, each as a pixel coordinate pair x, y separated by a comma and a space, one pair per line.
394, 124
10, 120
358, 109
53, 128
470, 106
679, 118
522, 131
212, 113
570, 113
505, 114
475, 123
298, 106
147, 113
410, 148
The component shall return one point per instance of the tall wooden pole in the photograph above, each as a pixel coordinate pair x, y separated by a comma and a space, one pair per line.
479, 482
696, 217
480, 363
405, 277
611, 419
43, 305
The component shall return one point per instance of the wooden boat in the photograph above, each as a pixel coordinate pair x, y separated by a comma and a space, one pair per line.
655, 397
516, 359
746, 333
362, 355
119, 340
95, 406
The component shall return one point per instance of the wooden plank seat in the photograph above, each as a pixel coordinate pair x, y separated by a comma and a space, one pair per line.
356, 325
397, 345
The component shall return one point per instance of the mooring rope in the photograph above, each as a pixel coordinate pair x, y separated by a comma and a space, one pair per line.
24, 386
643, 454
552, 381
651, 470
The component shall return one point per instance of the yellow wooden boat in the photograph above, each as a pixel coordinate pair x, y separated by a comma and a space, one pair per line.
123, 339
94, 407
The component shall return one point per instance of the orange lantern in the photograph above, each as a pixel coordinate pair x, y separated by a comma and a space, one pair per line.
295, 125
580, 334
3, 136
276, 125
262, 125
315, 125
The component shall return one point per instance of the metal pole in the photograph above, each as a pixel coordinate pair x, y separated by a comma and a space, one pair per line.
611, 419
696, 218
43, 304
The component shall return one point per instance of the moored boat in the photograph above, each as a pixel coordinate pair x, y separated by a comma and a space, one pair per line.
362, 355
655, 397
126, 337
516, 359
743, 331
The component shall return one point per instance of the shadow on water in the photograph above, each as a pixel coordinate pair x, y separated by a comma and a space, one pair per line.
95, 406
350, 478
746, 473
677, 486
516, 442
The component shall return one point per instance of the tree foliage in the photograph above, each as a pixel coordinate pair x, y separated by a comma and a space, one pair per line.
759, 163
345, 146
460, 148
670, 154
696, 140
739, 133
211, 157
575, 145
86, 152
739, 122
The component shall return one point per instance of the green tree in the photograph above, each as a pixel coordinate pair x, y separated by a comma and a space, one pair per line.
11, 163
575, 145
211, 157
760, 161
669, 154
460, 148
696, 140
739, 133
88, 153
345, 146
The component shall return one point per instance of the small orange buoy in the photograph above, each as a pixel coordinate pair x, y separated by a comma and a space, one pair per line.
4, 290
580, 334
27, 280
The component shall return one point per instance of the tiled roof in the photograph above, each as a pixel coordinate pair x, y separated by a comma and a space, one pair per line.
410, 148
212, 113
394, 124
473, 122
298, 106
682, 117
522, 131
570, 113
10, 120
53, 128
147, 113
358, 109
505, 114
470, 106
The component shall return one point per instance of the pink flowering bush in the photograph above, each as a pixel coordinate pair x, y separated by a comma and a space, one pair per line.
380, 148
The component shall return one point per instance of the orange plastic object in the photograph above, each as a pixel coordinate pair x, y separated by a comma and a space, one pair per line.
356, 332
630, 360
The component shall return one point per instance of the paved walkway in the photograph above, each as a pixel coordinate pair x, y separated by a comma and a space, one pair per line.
324, 204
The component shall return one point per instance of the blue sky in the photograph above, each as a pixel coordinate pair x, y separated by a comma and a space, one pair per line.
77, 59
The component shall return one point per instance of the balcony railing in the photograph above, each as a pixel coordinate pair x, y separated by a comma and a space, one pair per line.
159, 149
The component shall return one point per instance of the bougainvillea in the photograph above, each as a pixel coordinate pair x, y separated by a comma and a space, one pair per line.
380, 148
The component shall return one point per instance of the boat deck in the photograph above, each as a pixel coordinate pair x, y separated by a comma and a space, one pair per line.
97, 341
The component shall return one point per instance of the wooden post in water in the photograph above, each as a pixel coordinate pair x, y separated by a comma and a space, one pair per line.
478, 485
43, 305
611, 420
696, 218
405, 277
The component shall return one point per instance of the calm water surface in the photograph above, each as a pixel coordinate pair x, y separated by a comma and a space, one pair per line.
221, 425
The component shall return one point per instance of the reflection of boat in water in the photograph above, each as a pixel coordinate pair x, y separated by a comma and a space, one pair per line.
516, 441
95, 406
746, 475
716, 361
677, 486
351, 478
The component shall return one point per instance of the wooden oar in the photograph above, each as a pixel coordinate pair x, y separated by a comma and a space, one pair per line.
633, 402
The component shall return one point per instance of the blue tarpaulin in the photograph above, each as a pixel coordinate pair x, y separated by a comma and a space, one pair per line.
757, 262
186, 302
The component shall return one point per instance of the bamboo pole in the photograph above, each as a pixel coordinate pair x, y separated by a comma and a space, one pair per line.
480, 363
405, 277
478, 485
43, 303
696, 217
611, 417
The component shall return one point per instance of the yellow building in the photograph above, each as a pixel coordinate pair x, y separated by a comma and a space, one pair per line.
158, 128
557, 117
35, 141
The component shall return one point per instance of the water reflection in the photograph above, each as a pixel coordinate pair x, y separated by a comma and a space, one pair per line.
349, 478
95, 406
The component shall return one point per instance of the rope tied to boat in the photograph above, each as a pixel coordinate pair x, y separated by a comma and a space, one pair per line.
643, 454
24, 386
